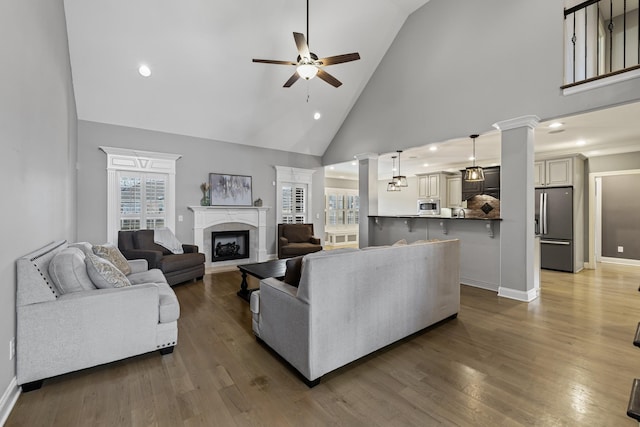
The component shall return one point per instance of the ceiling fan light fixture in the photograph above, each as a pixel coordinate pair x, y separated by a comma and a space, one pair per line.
307, 71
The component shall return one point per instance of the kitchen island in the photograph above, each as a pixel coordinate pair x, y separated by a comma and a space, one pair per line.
479, 241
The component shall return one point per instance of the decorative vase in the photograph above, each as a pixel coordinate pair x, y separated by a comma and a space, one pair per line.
205, 200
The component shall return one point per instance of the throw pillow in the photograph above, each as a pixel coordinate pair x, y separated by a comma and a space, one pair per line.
294, 271
114, 256
103, 274
68, 271
401, 242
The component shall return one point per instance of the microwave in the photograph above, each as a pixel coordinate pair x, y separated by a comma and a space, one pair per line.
428, 206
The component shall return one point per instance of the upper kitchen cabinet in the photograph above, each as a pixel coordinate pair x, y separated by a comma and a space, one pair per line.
432, 185
558, 172
454, 191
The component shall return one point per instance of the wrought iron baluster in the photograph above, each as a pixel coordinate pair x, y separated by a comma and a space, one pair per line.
586, 43
624, 34
598, 39
610, 35
573, 41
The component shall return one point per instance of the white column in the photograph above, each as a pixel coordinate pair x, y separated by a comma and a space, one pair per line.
517, 230
368, 193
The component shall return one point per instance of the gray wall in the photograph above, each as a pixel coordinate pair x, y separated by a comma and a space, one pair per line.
621, 216
457, 67
38, 137
199, 158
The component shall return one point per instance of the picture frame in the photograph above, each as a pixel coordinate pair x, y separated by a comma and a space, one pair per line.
230, 190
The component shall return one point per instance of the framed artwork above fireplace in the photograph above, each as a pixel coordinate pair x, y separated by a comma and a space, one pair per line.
230, 190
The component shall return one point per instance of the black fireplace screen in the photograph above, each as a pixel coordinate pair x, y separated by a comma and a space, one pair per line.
228, 245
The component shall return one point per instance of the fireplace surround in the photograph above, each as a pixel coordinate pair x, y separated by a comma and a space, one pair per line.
207, 219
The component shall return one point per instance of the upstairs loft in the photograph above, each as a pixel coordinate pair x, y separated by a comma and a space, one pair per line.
601, 43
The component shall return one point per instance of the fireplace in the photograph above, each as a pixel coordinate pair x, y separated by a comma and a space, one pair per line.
228, 245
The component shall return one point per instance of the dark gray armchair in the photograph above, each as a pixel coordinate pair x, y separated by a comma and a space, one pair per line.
296, 239
177, 268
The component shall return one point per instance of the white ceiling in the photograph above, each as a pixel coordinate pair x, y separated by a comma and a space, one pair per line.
611, 131
203, 82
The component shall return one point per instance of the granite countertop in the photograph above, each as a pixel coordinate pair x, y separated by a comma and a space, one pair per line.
436, 217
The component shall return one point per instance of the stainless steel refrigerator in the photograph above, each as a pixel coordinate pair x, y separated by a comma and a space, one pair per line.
554, 225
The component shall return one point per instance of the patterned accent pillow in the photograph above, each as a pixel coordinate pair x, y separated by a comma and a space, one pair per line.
103, 274
114, 256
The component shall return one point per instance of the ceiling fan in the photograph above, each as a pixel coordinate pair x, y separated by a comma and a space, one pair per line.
308, 65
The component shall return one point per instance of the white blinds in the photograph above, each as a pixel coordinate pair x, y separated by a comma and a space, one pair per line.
142, 200
294, 203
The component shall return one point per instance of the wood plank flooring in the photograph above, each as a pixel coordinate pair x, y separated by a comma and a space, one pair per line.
566, 359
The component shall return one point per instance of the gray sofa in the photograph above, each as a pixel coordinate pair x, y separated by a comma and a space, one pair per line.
352, 302
65, 323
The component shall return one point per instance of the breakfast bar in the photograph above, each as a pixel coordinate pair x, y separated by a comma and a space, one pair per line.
479, 241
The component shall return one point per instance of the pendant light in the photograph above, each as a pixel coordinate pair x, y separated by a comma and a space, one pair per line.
400, 180
392, 186
474, 173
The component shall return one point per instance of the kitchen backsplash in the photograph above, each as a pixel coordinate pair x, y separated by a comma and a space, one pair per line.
482, 206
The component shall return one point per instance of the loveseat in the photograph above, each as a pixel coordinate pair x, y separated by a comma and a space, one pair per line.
177, 268
352, 302
65, 323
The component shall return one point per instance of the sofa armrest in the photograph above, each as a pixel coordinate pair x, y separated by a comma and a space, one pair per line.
314, 240
138, 265
283, 241
83, 329
190, 249
283, 323
152, 257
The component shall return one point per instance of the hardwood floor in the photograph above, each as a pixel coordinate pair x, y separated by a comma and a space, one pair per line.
566, 359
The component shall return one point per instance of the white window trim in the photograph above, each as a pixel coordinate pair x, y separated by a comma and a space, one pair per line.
291, 175
123, 159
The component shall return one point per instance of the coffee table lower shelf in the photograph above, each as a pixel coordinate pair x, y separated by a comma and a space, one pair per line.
260, 270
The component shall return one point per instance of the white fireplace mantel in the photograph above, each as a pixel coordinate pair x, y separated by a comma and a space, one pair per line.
211, 216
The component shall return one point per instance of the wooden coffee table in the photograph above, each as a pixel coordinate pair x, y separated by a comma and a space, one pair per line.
260, 270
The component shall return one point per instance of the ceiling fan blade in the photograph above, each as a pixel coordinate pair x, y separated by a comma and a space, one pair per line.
294, 78
301, 43
328, 78
339, 59
273, 61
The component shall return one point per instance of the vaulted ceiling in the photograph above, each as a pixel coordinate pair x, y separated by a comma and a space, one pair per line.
203, 82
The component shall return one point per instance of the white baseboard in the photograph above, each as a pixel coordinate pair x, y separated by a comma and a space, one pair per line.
8, 400
524, 296
479, 284
620, 261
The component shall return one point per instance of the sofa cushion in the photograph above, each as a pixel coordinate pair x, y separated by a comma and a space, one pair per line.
143, 239
297, 234
169, 306
177, 262
103, 274
113, 255
295, 249
148, 276
69, 272
293, 271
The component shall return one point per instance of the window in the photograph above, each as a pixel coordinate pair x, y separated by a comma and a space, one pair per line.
293, 195
142, 200
294, 203
141, 190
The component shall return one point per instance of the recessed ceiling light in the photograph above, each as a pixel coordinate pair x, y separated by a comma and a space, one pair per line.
433, 148
471, 158
144, 71
581, 142
556, 125
354, 164
426, 165
331, 167
317, 116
